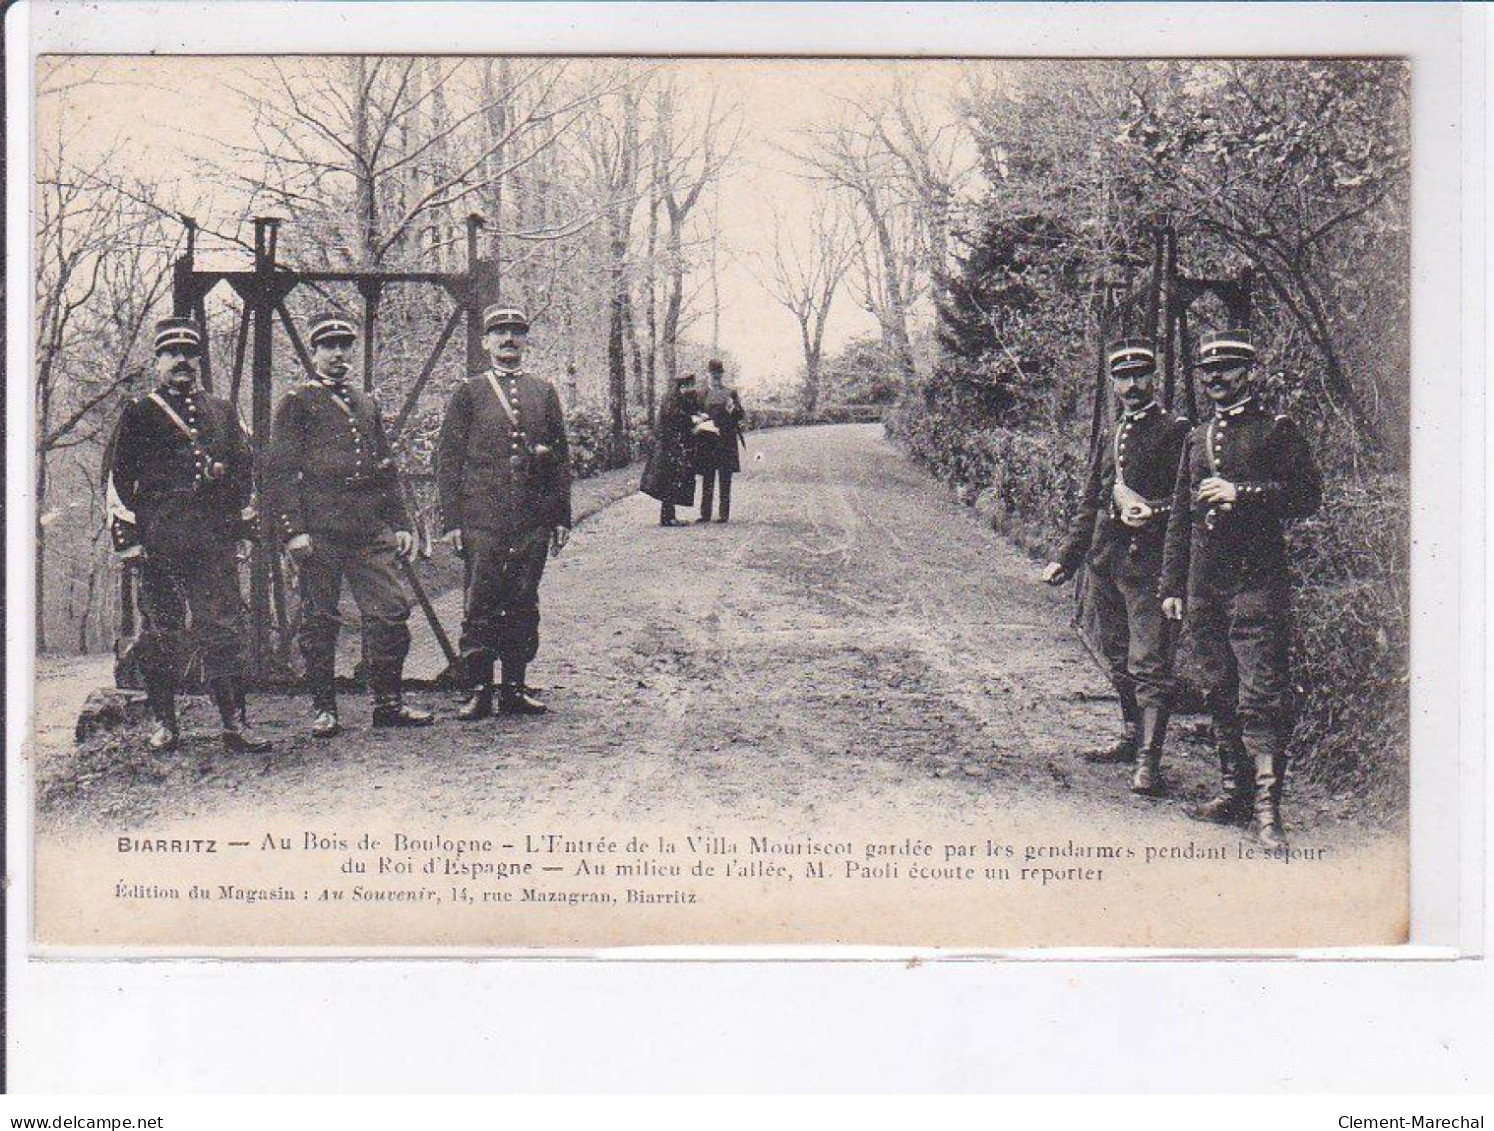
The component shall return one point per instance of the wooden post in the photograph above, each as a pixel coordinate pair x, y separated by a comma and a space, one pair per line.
475, 298
261, 378
370, 290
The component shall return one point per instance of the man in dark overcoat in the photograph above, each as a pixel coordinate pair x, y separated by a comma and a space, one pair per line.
504, 477
180, 488
336, 497
669, 474
1243, 474
1119, 531
716, 448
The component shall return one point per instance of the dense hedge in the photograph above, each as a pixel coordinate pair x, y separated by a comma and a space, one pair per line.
774, 416
1352, 603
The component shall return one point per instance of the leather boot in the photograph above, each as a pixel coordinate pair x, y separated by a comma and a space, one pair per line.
1147, 779
237, 737
1125, 748
390, 710
516, 697
1267, 751
162, 700
479, 702
324, 722
1234, 803
478, 705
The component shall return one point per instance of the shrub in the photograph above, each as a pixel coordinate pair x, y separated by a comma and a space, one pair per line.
778, 416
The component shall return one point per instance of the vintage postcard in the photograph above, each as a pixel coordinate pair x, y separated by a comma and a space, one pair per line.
538, 501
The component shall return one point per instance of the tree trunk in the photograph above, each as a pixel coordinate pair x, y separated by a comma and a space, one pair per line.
674, 300
617, 369
650, 291
368, 209
41, 552
496, 95
619, 216
894, 317
630, 325
811, 384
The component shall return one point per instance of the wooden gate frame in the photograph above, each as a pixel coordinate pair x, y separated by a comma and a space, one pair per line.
1158, 308
264, 289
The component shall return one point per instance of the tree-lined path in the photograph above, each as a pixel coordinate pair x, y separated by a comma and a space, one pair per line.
853, 639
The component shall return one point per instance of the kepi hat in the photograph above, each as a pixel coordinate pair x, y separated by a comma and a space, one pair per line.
1225, 347
178, 333
332, 327
1130, 356
503, 314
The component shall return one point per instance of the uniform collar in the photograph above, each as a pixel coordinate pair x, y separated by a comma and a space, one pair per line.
331, 384
1237, 408
1139, 413
497, 372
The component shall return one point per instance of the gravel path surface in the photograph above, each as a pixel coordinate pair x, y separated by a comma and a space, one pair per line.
852, 638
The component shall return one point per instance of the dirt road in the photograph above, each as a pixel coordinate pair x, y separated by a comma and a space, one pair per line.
853, 659
851, 642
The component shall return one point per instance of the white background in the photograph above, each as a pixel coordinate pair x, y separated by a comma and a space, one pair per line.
1025, 1024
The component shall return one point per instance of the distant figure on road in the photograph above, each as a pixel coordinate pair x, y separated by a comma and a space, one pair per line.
1243, 473
669, 475
1119, 529
716, 452
504, 476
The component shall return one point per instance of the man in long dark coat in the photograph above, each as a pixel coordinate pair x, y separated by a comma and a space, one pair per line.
1119, 530
180, 483
335, 491
1243, 474
669, 475
716, 448
504, 476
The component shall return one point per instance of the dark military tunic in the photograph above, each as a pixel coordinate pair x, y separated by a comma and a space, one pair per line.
180, 485
1229, 563
1125, 562
504, 478
330, 467
331, 475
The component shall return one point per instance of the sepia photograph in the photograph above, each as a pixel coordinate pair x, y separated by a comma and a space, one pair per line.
515, 501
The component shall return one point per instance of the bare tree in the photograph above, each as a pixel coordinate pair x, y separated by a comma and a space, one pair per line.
612, 143
805, 276
383, 123
103, 253
694, 149
850, 156
933, 167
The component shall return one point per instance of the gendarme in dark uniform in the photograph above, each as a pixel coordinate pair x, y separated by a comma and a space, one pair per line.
180, 484
334, 494
1119, 530
503, 473
1244, 473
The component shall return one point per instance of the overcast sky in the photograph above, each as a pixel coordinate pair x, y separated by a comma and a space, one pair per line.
161, 111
